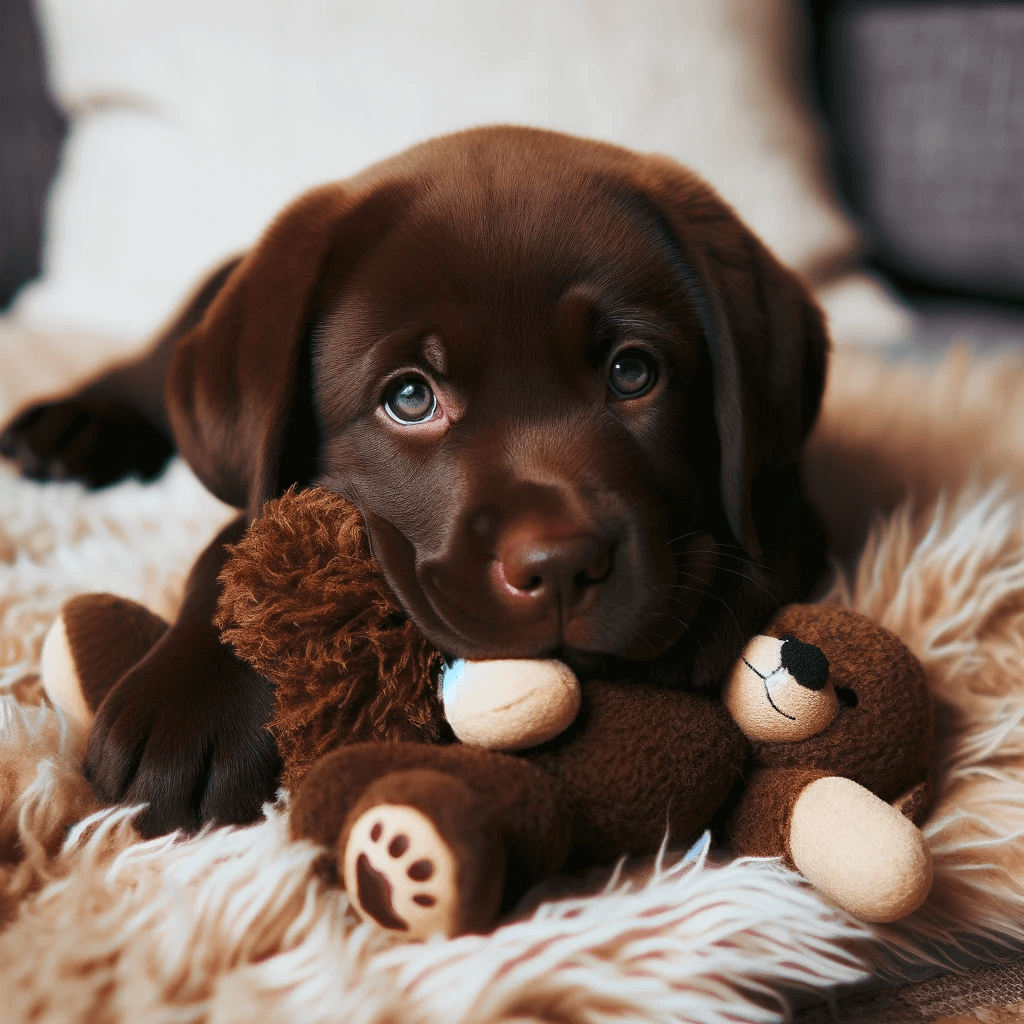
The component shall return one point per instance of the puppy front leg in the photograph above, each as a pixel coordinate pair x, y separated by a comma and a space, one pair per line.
184, 730
114, 425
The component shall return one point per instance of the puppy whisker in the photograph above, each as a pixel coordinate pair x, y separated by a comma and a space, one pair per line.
683, 536
770, 590
710, 592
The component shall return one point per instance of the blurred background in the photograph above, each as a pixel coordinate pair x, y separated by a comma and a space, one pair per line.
877, 147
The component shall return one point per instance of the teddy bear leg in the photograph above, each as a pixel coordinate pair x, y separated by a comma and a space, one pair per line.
862, 853
431, 838
94, 640
421, 853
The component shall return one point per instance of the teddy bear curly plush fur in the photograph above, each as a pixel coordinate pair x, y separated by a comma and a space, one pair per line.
429, 833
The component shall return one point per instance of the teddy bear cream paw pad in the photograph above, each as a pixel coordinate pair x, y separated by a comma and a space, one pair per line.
861, 852
419, 853
400, 872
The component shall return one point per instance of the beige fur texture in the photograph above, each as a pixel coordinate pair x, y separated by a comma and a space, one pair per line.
234, 925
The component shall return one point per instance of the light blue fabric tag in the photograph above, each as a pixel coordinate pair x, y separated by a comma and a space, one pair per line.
450, 677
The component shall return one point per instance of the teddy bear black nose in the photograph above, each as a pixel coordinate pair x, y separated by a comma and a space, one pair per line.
804, 662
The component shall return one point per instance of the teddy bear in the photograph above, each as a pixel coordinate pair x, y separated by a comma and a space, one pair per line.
838, 713
440, 791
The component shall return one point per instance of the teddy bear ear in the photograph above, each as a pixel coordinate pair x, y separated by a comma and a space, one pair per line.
778, 691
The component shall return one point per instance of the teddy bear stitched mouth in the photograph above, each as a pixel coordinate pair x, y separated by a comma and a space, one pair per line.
767, 693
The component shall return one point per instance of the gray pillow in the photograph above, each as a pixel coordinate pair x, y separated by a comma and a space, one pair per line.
929, 114
31, 133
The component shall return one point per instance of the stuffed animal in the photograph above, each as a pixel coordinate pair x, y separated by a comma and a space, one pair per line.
838, 712
426, 833
399, 764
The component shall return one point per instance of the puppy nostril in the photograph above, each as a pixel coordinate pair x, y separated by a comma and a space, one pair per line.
542, 568
600, 565
806, 663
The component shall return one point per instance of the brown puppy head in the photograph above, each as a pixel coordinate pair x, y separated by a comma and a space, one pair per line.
564, 385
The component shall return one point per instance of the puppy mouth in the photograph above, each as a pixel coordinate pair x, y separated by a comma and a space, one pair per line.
639, 622
587, 642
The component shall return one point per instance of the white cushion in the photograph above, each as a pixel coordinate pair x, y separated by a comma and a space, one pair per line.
197, 119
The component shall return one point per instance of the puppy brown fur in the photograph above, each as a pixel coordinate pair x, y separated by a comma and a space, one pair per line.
563, 384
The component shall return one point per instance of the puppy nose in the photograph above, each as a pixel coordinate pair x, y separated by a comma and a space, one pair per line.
533, 570
806, 663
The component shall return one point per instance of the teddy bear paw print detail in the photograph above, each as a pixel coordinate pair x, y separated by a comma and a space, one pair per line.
421, 854
400, 871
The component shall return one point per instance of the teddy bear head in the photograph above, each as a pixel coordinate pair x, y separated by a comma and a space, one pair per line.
830, 689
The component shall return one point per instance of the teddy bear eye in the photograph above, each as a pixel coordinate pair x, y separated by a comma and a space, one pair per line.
410, 400
846, 697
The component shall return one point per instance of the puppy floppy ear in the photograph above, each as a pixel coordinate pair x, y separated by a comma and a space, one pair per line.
767, 344
238, 389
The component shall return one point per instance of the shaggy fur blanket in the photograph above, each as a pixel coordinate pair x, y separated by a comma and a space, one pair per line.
232, 925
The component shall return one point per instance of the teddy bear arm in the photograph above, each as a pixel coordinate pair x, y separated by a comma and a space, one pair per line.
759, 824
639, 760
864, 854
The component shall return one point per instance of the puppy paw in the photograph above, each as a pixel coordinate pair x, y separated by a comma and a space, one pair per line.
401, 873
85, 438
184, 731
421, 855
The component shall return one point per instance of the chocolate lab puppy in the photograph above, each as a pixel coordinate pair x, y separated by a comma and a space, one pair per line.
566, 387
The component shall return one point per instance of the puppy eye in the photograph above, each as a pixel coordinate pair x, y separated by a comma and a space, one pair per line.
632, 374
410, 400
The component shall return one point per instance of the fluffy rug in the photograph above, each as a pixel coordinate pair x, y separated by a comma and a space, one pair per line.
233, 926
